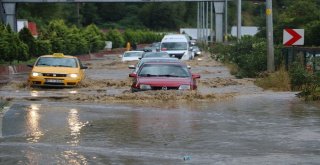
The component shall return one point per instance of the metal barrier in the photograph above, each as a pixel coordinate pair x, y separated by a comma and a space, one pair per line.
308, 56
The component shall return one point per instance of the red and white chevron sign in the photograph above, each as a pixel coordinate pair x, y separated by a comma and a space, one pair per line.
293, 37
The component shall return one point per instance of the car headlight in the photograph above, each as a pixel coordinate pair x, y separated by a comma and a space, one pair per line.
184, 87
145, 87
73, 75
36, 74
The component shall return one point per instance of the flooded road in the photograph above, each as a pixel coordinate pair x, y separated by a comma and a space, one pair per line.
228, 121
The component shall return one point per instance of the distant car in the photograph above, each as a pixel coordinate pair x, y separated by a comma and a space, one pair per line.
56, 70
151, 59
131, 55
155, 54
196, 50
163, 76
154, 47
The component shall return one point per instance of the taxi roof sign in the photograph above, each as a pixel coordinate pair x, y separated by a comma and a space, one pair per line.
58, 55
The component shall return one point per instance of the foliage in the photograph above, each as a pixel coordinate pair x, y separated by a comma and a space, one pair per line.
297, 14
115, 36
304, 81
43, 47
113, 15
140, 36
313, 33
299, 76
278, 81
72, 40
249, 54
94, 37
27, 38
11, 47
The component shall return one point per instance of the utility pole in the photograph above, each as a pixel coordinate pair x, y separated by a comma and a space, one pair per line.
239, 20
270, 51
226, 21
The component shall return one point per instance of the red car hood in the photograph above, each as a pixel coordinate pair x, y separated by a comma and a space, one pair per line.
164, 81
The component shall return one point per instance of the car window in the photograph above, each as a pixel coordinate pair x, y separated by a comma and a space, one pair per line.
156, 54
57, 62
174, 45
166, 70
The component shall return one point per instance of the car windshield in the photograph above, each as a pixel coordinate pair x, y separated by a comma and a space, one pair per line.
144, 60
156, 54
57, 62
174, 45
164, 70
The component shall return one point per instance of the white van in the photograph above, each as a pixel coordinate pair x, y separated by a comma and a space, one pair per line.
177, 45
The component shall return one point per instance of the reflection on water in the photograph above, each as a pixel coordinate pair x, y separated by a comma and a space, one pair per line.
75, 126
32, 123
34, 93
73, 92
252, 129
72, 157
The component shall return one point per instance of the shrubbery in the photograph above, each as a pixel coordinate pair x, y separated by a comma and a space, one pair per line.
58, 37
249, 54
11, 47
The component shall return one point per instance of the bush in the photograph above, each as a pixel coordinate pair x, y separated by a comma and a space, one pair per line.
27, 38
43, 47
299, 76
278, 81
11, 47
94, 38
117, 39
77, 42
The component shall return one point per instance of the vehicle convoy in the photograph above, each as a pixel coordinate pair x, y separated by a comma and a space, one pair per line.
178, 46
131, 55
163, 76
56, 70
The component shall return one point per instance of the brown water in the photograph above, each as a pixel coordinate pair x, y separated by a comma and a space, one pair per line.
228, 121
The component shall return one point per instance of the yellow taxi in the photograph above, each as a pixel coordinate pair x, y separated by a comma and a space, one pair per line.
56, 70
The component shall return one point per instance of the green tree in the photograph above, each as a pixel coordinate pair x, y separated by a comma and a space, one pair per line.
297, 15
116, 37
27, 38
11, 47
94, 38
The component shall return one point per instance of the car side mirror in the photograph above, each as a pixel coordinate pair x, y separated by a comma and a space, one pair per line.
195, 76
131, 67
133, 75
29, 65
188, 66
83, 67
120, 56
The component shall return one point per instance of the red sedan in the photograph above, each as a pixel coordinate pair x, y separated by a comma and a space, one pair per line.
163, 76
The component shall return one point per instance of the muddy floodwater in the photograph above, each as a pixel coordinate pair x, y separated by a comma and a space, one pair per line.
226, 121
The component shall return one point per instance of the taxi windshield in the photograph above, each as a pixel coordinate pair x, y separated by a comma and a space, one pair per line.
57, 62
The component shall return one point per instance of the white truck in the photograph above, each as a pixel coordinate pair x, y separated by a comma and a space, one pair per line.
178, 46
